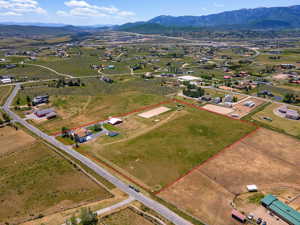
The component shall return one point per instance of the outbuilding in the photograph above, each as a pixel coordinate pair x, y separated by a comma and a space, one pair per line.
292, 114
238, 216
44, 112
252, 188
6, 81
112, 134
189, 78
115, 121
282, 210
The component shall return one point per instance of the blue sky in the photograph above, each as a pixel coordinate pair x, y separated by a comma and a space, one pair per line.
91, 12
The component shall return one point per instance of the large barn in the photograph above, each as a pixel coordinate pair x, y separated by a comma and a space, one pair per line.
282, 210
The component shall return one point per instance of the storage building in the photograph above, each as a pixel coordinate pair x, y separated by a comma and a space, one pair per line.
282, 210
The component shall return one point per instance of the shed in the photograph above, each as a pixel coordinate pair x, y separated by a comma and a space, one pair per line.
43, 112
114, 121
6, 80
112, 134
252, 188
239, 216
51, 115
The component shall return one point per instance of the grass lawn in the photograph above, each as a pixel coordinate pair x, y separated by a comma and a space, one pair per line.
28, 71
4, 93
98, 108
75, 66
291, 127
167, 152
285, 57
96, 101
35, 180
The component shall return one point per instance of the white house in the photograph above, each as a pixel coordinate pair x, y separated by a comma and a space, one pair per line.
189, 78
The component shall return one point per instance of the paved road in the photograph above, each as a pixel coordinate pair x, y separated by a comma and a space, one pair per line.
150, 203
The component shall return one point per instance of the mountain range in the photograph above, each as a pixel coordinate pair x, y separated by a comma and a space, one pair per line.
258, 18
248, 19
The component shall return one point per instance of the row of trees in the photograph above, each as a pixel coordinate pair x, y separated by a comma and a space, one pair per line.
290, 98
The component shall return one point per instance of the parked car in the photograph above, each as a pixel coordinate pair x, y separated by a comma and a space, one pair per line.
264, 223
250, 216
259, 221
134, 188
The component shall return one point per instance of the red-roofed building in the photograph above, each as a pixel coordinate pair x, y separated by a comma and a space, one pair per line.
238, 216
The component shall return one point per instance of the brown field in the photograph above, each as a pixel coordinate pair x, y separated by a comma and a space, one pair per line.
36, 181
4, 92
242, 110
13, 141
265, 158
125, 217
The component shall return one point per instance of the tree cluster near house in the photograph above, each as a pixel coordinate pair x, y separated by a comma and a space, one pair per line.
193, 91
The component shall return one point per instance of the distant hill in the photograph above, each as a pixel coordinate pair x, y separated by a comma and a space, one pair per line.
29, 31
258, 18
153, 28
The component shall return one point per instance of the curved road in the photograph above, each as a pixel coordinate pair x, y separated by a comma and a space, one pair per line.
159, 208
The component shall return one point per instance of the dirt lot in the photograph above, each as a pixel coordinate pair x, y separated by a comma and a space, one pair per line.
154, 112
202, 197
277, 155
281, 76
242, 110
36, 181
218, 109
12, 141
263, 213
125, 217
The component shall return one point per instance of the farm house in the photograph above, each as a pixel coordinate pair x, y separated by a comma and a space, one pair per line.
82, 135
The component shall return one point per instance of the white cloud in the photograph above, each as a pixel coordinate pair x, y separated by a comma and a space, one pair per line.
84, 9
218, 5
75, 3
20, 7
11, 14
